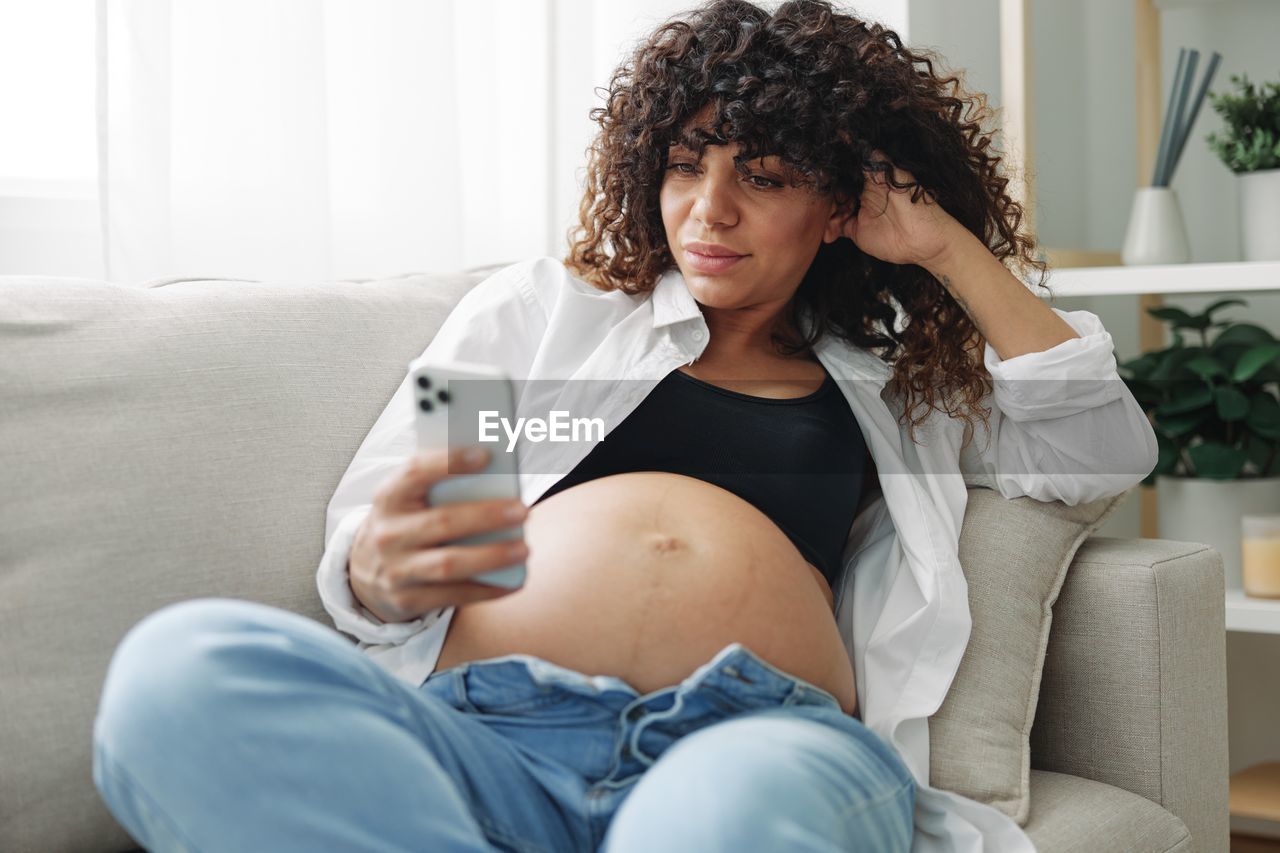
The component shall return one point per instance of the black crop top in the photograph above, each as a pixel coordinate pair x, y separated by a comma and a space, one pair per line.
800, 461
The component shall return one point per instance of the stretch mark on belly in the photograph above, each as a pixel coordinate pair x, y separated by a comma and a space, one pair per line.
660, 503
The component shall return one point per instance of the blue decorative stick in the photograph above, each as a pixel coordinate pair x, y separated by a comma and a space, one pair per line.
1166, 129
1201, 91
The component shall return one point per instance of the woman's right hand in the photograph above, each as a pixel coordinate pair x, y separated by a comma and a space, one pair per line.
401, 565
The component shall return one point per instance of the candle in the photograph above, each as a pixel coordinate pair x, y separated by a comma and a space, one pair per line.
1260, 553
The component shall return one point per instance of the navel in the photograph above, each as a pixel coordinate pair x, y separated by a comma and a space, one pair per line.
665, 543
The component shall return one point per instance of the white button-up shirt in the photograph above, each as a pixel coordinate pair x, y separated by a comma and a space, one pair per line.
1063, 426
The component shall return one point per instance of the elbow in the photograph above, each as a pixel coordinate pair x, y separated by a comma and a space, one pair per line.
1127, 465
1139, 452
1151, 457
1083, 489
1126, 455
1104, 470
1143, 449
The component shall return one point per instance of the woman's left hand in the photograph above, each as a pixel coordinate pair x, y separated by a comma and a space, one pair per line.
889, 227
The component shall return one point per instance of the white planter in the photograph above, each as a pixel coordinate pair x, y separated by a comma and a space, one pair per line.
1195, 509
1156, 233
1260, 215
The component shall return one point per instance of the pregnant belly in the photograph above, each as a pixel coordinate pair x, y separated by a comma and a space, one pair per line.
645, 576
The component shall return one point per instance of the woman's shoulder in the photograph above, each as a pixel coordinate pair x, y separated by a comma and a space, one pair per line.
537, 281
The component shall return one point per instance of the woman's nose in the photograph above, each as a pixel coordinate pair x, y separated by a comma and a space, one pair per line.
714, 203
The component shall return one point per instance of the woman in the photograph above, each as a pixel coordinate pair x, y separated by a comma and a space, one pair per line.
677, 671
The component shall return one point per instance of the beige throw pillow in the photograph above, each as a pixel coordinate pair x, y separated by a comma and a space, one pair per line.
1015, 554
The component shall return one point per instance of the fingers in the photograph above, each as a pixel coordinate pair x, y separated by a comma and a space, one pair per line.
875, 195
418, 583
876, 175
900, 176
457, 564
877, 186
435, 526
410, 583
423, 470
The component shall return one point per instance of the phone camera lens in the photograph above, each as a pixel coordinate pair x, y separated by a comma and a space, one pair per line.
426, 405
424, 382
442, 396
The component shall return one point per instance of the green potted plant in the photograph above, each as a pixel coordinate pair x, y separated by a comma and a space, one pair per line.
1215, 408
1250, 148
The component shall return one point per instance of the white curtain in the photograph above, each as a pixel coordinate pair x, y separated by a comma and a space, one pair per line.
324, 139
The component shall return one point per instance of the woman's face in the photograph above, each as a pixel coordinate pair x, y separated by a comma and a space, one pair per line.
776, 227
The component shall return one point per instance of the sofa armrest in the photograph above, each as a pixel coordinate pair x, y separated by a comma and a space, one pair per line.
1134, 690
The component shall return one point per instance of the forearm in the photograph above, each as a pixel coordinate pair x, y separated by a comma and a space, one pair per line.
1008, 315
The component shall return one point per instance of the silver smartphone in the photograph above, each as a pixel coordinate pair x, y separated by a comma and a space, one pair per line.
461, 404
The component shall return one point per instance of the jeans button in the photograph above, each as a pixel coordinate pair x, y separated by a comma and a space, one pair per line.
635, 713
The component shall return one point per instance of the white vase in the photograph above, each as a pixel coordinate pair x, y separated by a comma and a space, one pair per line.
1156, 233
1199, 509
1260, 215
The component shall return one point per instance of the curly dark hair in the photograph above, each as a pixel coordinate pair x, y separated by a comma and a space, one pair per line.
821, 90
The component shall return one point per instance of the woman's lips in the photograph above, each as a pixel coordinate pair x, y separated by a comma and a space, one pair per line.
707, 263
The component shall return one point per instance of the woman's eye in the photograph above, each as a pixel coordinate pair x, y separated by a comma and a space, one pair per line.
768, 182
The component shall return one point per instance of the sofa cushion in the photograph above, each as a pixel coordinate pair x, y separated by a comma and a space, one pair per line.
1015, 555
159, 444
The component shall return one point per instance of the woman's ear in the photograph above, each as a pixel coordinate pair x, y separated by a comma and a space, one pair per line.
841, 213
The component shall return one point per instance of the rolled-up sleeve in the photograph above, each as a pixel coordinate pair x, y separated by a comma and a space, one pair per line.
1063, 424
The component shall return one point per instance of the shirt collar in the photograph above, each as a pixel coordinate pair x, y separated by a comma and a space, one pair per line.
672, 301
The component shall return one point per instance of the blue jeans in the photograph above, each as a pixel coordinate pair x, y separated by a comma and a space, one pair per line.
230, 725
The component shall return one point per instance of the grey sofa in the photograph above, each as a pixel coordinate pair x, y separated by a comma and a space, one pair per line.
181, 439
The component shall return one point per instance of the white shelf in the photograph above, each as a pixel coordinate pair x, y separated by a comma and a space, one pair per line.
1256, 615
1166, 279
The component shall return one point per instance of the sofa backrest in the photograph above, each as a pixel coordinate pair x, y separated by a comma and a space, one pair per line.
159, 443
